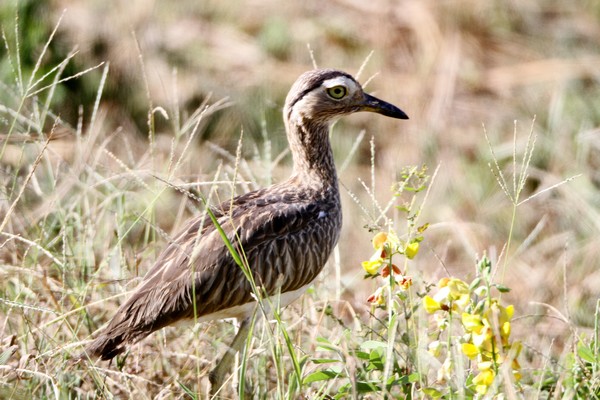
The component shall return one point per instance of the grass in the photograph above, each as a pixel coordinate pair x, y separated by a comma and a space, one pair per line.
91, 194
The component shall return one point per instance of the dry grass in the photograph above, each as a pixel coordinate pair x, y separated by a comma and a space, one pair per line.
83, 215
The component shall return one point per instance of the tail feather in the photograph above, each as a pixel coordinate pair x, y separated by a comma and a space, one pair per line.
114, 339
134, 320
106, 346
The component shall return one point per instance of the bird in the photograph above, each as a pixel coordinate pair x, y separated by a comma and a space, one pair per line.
286, 232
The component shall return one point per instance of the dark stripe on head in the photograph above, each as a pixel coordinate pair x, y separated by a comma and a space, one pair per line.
310, 81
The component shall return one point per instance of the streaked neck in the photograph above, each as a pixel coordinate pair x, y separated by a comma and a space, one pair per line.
312, 155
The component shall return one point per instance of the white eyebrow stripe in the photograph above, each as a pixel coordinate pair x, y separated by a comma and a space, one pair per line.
340, 80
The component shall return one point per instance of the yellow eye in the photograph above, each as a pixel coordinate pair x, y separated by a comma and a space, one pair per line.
337, 92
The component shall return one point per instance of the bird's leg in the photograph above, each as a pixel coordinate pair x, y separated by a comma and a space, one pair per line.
217, 375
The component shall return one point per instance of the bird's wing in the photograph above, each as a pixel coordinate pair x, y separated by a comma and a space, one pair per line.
198, 272
199, 262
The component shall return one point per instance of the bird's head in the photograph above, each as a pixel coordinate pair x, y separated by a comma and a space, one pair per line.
322, 95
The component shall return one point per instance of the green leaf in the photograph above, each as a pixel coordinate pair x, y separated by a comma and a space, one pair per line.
324, 360
502, 288
433, 393
586, 354
414, 377
303, 360
402, 208
326, 345
234, 254
570, 360
187, 390
343, 392
361, 355
474, 284
367, 387
376, 360
323, 375
373, 344
321, 339
479, 306
423, 227
292, 386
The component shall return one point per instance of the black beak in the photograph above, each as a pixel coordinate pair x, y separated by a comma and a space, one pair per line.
373, 104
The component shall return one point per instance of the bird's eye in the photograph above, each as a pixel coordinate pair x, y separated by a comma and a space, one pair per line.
337, 92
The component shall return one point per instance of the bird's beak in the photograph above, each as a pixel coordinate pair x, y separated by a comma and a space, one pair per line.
373, 104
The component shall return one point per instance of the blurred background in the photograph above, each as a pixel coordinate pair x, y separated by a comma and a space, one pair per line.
457, 67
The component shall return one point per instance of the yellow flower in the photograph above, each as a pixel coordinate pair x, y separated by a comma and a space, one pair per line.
459, 292
452, 292
498, 313
378, 297
470, 350
443, 295
483, 339
372, 266
484, 379
510, 310
505, 330
458, 287
405, 282
381, 244
515, 365
431, 305
443, 282
411, 250
481, 389
499, 317
484, 366
379, 240
517, 375
472, 322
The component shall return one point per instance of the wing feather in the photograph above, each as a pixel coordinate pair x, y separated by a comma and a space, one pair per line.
276, 233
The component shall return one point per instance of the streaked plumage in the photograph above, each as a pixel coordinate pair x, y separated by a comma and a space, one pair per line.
286, 231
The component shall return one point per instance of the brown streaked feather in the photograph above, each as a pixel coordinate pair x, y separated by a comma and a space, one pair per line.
280, 232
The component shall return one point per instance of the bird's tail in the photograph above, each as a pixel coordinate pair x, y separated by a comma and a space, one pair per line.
106, 346
124, 329
137, 318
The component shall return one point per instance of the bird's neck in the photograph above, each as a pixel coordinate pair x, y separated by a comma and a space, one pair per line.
312, 155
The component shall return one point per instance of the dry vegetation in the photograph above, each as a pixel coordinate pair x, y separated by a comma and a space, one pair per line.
86, 196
